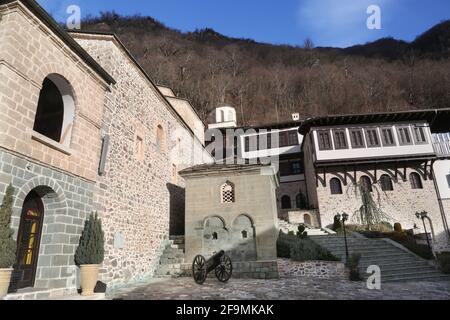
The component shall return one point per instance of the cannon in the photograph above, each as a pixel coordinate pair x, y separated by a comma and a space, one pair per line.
219, 262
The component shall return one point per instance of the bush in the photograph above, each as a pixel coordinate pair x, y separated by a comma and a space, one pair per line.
91, 248
336, 224
297, 249
353, 265
8, 246
301, 233
398, 227
443, 259
291, 233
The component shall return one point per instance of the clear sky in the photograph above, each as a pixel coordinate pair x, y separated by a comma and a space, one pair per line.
337, 23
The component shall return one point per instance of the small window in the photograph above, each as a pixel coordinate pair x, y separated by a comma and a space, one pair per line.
335, 186
296, 167
300, 201
285, 202
372, 138
404, 136
386, 183
227, 191
324, 140
285, 168
160, 143
247, 144
284, 140
416, 181
139, 147
357, 138
340, 139
244, 234
366, 183
292, 138
215, 236
419, 135
387, 137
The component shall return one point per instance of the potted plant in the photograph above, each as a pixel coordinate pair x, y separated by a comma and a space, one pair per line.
90, 253
8, 246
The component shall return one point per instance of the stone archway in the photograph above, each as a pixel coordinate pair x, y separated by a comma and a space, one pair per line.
243, 239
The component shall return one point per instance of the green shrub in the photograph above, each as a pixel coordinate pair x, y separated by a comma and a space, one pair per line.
291, 233
8, 246
336, 224
353, 265
443, 259
283, 247
301, 233
307, 250
398, 227
91, 248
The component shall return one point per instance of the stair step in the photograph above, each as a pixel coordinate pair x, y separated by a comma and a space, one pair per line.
430, 277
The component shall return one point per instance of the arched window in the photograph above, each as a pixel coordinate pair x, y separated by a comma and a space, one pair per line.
300, 201
160, 138
285, 202
416, 181
366, 183
55, 110
386, 183
335, 186
227, 192
215, 236
244, 234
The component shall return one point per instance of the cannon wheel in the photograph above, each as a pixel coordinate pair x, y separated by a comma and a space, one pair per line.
224, 269
199, 269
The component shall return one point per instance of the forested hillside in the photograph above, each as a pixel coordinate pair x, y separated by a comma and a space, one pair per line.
266, 83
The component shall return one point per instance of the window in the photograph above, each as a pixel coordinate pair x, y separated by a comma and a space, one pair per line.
285, 169
404, 135
340, 139
419, 135
324, 140
366, 184
416, 181
215, 236
357, 138
227, 191
244, 234
387, 137
292, 138
372, 138
160, 143
285, 202
55, 110
139, 147
284, 140
300, 201
386, 183
247, 144
296, 167
335, 186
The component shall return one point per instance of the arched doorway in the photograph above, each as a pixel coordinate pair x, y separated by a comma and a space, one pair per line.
307, 219
28, 240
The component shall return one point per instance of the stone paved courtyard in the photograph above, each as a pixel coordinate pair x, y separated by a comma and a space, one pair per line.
282, 289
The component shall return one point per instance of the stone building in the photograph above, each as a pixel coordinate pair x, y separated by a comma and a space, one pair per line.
233, 208
52, 97
152, 135
390, 155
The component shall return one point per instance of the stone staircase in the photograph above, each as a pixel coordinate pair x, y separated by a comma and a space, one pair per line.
172, 260
396, 264
287, 226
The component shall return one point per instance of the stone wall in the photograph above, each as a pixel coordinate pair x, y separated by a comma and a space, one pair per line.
141, 195
313, 269
400, 205
66, 199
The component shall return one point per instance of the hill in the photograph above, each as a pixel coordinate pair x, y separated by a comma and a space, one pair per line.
266, 83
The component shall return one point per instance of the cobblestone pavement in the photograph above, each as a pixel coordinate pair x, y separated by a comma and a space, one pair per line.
281, 289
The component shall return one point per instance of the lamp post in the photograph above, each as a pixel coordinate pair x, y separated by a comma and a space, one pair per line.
424, 215
345, 218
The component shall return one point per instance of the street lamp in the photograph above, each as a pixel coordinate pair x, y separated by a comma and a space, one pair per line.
424, 215
345, 218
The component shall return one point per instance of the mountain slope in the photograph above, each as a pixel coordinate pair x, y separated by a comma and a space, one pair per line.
266, 83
